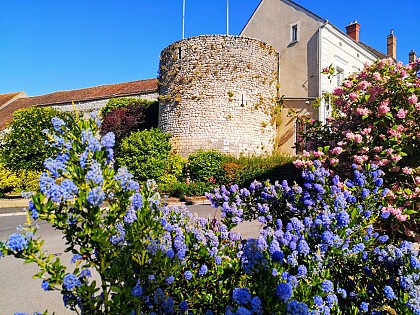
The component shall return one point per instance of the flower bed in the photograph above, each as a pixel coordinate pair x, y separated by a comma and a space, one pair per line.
319, 249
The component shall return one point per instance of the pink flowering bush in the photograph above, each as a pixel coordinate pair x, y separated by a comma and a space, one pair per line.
376, 121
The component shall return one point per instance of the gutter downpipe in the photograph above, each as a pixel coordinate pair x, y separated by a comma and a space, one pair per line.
321, 108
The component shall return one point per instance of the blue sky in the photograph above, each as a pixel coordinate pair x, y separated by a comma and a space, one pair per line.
54, 45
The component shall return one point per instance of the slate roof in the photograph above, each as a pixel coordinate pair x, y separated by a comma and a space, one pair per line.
125, 89
373, 51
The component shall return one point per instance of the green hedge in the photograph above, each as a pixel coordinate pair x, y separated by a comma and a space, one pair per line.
206, 166
206, 169
243, 170
145, 154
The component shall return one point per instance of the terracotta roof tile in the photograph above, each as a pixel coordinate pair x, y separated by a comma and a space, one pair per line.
4, 98
96, 92
86, 94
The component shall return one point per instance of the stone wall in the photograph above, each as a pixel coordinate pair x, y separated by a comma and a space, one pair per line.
91, 105
219, 92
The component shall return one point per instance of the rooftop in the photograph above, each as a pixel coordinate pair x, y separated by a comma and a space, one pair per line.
8, 105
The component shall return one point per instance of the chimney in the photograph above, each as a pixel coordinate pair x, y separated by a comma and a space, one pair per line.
412, 56
353, 30
391, 45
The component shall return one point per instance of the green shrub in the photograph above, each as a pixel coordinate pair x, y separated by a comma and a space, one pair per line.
175, 165
206, 166
199, 188
124, 102
166, 183
21, 180
175, 189
245, 169
145, 153
24, 147
208, 169
181, 190
125, 115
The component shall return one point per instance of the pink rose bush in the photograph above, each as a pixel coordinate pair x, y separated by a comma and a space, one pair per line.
376, 121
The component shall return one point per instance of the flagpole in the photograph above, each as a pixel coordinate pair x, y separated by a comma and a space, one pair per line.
227, 17
183, 19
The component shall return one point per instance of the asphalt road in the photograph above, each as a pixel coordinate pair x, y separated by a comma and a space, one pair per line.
19, 292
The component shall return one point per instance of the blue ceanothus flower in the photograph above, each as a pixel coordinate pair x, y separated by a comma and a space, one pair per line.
329, 227
91, 142
284, 291
125, 178
183, 306
94, 173
58, 124
119, 237
17, 242
96, 196
71, 282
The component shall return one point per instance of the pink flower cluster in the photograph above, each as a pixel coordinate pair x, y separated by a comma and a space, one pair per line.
379, 124
397, 212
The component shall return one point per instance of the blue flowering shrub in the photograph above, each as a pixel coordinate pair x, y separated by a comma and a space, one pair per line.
148, 258
319, 250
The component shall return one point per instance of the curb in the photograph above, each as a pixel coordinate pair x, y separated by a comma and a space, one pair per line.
23, 203
14, 203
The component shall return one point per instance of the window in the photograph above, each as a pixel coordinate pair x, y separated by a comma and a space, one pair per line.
327, 107
294, 32
340, 66
340, 75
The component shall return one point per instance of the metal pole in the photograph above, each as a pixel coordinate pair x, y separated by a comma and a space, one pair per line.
183, 19
227, 17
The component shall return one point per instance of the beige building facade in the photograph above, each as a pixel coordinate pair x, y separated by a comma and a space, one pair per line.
306, 44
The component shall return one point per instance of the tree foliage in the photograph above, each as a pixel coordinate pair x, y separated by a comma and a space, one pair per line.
125, 115
24, 146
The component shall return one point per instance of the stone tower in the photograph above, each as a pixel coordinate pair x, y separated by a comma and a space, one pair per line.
218, 92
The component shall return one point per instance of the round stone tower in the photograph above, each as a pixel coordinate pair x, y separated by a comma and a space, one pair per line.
218, 92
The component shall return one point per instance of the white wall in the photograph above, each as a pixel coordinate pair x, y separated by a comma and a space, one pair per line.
342, 52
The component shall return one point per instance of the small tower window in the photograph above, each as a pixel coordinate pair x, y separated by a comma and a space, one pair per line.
294, 32
179, 52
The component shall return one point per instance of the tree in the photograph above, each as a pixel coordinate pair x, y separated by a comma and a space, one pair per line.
24, 146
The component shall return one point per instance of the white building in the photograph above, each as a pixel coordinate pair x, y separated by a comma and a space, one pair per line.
306, 44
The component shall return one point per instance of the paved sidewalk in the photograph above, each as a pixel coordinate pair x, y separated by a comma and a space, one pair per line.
13, 203
16, 202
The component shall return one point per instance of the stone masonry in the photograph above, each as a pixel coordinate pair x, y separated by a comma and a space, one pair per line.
218, 92
91, 105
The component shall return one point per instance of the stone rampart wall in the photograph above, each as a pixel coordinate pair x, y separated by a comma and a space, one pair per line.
89, 106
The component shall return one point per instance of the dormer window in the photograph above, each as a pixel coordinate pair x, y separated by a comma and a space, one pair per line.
294, 32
